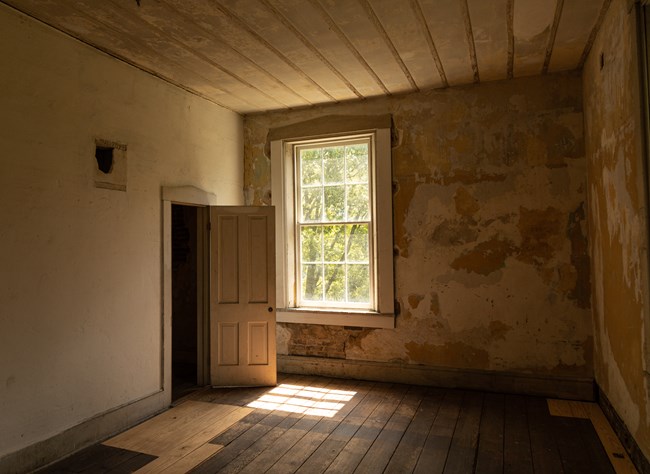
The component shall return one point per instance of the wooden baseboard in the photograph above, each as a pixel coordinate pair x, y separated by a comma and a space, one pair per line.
492, 381
86, 433
627, 440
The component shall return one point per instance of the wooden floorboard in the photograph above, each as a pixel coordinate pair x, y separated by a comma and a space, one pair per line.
330, 448
294, 458
462, 452
489, 456
281, 439
408, 450
100, 458
378, 456
355, 449
312, 425
434, 453
517, 457
543, 446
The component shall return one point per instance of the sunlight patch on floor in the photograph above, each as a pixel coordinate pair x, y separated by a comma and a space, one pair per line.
306, 400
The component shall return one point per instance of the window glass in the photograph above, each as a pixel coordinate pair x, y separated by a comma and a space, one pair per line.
334, 218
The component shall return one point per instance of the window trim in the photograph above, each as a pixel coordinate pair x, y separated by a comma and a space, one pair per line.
282, 192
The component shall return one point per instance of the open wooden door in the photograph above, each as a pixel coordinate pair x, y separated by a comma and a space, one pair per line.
242, 296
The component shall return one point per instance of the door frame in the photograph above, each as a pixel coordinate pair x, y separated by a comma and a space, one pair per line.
186, 196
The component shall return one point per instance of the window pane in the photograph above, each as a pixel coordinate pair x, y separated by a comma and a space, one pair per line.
334, 236
310, 167
334, 203
358, 208
312, 204
312, 282
358, 283
358, 243
334, 164
335, 282
311, 244
356, 163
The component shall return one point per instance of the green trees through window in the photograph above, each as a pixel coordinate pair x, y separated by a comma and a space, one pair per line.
334, 223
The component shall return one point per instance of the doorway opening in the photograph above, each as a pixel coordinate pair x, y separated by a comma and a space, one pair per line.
185, 305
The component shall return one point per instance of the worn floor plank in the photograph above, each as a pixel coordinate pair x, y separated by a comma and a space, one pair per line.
295, 457
543, 446
100, 458
378, 456
462, 452
436, 447
613, 447
489, 458
410, 446
315, 425
325, 454
354, 451
270, 441
517, 457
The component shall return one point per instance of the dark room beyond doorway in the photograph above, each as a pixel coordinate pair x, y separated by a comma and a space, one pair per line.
184, 300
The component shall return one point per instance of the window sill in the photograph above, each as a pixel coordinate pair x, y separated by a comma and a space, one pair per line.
336, 318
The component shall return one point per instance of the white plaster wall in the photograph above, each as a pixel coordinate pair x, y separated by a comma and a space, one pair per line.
80, 267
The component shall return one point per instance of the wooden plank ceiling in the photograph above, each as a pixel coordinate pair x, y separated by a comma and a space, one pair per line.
259, 55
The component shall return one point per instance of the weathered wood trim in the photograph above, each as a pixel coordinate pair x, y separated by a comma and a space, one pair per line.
329, 125
491, 381
86, 433
189, 195
623, 433
336, 318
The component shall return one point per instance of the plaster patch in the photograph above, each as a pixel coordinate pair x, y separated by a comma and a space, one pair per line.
486, 257
498, 330
449, 354
465, 176
466, 204
454, 232
540, 234
414, 300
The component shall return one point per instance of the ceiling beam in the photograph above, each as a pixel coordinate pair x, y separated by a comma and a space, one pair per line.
417, 9
263, 42
559, 7
470, 39
594, 32
344, 39
382, 32
285, 21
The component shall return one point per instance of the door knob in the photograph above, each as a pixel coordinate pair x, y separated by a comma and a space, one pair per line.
270, 309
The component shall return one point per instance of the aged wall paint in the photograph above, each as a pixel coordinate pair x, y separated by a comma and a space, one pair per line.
487, 181
617, 219
80, 286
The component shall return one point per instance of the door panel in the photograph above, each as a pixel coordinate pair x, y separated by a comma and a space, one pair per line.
258, 335
228, 343
242, 302
228, 259
259, 273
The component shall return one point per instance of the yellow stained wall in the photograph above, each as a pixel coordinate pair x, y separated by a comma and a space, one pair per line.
491, 265
617, 218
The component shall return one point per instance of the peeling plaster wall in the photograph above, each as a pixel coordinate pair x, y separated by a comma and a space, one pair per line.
80, 266
617, 218
491, 265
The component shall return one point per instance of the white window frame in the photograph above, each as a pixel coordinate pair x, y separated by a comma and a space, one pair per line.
283, 198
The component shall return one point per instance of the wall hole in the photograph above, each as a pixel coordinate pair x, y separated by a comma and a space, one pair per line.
104, 157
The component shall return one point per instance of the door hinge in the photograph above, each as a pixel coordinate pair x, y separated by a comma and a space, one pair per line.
209, 226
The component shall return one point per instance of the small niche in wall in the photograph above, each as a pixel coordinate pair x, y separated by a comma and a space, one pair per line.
110, 165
